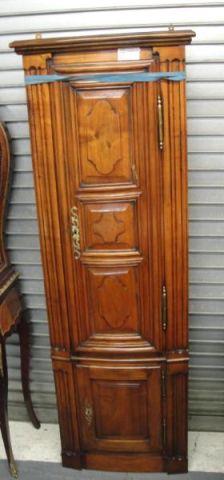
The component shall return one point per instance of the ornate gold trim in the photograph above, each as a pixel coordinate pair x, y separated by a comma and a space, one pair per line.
13, 469
7, 284
75, 232
88, 413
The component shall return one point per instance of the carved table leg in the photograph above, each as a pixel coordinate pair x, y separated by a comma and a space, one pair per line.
4, 423
23, 331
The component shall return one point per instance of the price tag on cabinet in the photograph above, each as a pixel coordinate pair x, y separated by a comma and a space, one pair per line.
128, 53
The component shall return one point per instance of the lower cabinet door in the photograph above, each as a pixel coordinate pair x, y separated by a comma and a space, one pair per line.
120, 409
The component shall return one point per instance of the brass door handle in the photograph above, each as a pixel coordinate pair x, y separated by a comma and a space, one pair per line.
75, 232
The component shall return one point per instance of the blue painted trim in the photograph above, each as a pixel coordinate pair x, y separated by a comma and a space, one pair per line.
108, 78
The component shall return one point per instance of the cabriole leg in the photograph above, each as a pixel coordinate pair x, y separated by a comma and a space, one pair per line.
4, 423
23, 331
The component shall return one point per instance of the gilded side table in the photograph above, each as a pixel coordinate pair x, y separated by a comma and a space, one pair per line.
11, 318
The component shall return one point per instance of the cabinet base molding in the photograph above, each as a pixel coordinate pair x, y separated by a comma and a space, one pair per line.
72, 459
177, 465
124, 463
117, 462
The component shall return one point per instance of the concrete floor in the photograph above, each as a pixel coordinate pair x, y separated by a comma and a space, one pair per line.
206, 449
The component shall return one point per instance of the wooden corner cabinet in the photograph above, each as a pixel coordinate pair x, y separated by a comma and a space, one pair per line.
109, 158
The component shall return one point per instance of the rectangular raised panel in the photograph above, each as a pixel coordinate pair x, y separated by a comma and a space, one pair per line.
177, 375
64, 383
116, 318
120, 408
126, 402
104, 136
110, 226
113, 300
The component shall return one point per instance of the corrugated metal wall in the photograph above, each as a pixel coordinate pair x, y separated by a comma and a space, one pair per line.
205, 107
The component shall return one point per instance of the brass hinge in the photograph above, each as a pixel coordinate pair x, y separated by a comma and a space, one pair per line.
164, 308
164, 432
134, 173
163, 384
160, 121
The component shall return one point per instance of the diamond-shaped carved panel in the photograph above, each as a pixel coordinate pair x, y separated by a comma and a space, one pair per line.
103, 123
113, 299
110, 226
104, 136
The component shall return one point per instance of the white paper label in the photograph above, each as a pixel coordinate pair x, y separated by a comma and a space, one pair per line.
128, 54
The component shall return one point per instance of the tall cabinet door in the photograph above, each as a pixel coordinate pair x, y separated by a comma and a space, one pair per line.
113, 173
120, 409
